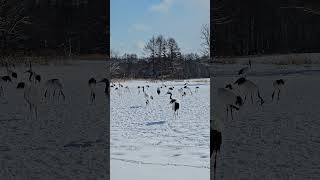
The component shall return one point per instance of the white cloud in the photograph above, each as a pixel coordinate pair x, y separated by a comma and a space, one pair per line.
163, 6
140, 27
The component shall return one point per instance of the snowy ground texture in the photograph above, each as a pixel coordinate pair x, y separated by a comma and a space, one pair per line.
147, 142
279, 140
71, 144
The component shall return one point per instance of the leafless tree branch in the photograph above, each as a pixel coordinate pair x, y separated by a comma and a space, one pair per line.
12, 20
205, 37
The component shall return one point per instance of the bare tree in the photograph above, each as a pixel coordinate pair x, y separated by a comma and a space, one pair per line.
150, 49
113, 68
191, 57
205, 37
161, 46
161, 53
114, 54
12, 21
173, 49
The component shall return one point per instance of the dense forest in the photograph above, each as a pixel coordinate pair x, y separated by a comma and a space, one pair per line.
53, 27
249, 27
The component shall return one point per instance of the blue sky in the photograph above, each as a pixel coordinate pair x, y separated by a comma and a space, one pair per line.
133, 22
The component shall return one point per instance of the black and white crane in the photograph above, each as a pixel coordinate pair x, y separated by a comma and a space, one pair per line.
31, 95
53, 86
248, 88
229, 100
187, 87
92, 86
245, 70
175, 105
107, 87
158, 91
10, 72
196, 90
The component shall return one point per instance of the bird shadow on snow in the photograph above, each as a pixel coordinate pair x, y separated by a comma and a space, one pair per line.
155, 123
163, 122
135, 107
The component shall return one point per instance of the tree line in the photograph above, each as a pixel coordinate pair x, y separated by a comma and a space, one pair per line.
250, 27
163, 60
53, 28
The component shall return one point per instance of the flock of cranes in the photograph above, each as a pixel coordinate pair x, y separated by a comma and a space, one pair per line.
34, 90
148, 95
233, 97
32, 87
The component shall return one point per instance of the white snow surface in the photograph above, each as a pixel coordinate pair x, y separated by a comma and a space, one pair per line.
52, 152
147, 142
279, 140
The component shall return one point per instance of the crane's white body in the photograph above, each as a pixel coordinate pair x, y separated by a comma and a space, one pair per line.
248, 88
227, 99
52, 87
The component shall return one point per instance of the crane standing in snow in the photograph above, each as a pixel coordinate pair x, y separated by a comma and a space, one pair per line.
249, 88
229, 100
175, 105
31, 95
92, 86
158, 91
107, 87
53, 86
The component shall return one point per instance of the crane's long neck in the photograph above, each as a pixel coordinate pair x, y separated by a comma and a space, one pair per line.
30, 76
170, 96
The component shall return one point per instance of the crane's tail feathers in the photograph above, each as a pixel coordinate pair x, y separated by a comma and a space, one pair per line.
234, 107
64, 97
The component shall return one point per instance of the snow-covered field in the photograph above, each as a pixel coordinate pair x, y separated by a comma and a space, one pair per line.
279, 140
72, 141
147, 142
